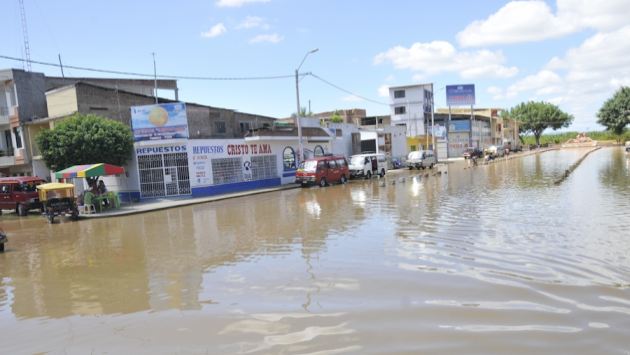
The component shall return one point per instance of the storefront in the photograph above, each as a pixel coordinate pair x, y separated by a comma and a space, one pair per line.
163, 169
222, 166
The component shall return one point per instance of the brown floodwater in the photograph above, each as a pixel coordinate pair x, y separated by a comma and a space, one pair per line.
492, 259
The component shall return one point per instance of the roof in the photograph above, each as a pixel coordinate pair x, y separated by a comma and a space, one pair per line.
288, 132
410, 86
326, 157
20, 179
89, 170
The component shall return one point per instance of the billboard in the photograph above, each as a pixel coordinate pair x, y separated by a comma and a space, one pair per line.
460, 95
162, 121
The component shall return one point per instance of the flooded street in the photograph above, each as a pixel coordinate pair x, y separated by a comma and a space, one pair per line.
493, 259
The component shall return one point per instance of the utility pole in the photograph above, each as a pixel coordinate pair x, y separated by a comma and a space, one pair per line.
297, 113
155, 79
61, 65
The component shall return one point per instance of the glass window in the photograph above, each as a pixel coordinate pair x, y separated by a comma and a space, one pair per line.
219, 126
399, 94
319, 151
17, 131
5, 189
321, 165
288, 157
341, 162
400, 110
245, 126
332, 164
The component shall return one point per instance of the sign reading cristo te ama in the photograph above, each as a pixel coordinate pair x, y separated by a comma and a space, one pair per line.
460, 95
162, 121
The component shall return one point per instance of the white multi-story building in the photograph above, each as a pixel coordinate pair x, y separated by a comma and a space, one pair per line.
411, 107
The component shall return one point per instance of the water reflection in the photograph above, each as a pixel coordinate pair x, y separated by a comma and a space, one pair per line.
472, 259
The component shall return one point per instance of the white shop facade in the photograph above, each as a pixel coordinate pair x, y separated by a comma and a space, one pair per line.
206, 167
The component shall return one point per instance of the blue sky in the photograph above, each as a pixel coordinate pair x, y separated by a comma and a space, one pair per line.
571, 52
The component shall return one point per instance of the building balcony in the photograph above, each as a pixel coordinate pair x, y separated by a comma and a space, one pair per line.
7, 161
4, 115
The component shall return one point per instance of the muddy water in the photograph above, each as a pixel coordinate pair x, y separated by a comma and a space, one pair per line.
493, 259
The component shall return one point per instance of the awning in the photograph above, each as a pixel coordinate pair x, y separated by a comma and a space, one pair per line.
89, 170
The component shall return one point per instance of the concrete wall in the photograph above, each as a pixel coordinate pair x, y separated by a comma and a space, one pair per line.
31, 94
415, 104
342, 144
62, 101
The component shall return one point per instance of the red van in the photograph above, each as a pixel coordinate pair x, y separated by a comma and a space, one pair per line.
19, 193
323, 171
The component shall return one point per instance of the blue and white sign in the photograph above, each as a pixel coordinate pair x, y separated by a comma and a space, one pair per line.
459, 126
460, 95
156, 122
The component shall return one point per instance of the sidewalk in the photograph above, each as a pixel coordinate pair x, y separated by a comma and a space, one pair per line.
165, 203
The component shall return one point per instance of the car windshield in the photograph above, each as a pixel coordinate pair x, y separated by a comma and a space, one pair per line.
309, 165
356, 160
414, 155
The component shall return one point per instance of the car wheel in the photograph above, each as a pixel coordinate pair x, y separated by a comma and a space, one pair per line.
21, 210
411, 168
431, 166
368, 175
382, 174
2, 248
343, 179
322, 182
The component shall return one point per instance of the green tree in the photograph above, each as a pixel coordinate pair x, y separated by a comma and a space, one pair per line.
615, 113
336, 118
85, 139
535, 117
303, 113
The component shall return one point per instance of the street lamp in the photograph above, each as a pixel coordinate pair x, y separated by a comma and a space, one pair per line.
297, 114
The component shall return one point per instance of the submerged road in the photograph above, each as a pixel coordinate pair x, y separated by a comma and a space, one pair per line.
492, 259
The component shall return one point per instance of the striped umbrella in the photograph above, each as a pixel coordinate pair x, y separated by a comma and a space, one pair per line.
89, 170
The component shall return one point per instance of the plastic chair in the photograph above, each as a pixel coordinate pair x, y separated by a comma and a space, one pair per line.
88, 206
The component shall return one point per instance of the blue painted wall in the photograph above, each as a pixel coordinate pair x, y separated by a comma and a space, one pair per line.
235, 187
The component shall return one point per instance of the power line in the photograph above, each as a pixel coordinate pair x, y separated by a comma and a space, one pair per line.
176, 77
346, 91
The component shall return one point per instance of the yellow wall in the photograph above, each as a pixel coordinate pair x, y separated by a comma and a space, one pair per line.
418, 143
62, 102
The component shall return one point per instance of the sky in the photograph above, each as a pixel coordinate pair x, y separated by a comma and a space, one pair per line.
573, 53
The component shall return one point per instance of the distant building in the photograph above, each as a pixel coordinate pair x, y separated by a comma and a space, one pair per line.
23, 100
353, 116
488, 128
411, 106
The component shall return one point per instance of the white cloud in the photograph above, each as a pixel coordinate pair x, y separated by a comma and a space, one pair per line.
253, 22
440, 56
544, 82
580, 80
351, 98
527, 21
383, 91
237, 3
215, 31
269, 38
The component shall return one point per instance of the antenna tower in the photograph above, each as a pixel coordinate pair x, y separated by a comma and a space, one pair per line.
27, 47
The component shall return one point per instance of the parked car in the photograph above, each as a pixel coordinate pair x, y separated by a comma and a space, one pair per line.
323, 171
20, 194
368, 165
495, 151
473, 153
421, 159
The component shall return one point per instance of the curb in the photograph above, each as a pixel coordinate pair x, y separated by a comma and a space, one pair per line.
188, 202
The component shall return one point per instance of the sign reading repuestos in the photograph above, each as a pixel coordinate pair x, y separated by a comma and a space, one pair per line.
162, 121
